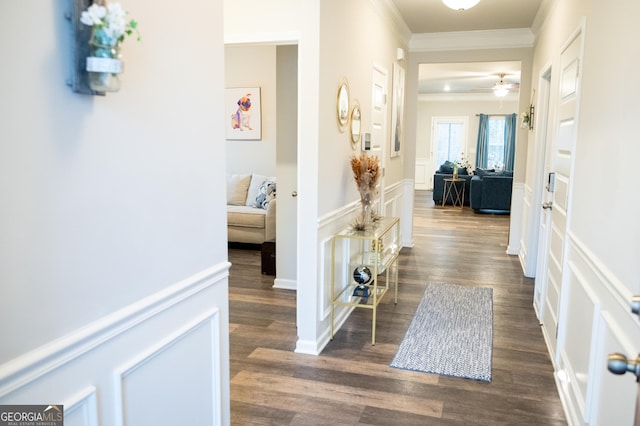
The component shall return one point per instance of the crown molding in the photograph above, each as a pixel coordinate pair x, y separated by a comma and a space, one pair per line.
544, 11
466, 97
471, 40
388, 9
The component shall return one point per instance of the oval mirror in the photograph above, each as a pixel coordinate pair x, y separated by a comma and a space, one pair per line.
342, 106
356, 126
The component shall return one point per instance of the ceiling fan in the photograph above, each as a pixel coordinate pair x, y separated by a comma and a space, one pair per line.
501, 88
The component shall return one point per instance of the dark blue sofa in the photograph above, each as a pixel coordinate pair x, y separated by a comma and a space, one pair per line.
490, 192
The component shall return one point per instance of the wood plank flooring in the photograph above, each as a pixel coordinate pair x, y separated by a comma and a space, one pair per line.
351, 382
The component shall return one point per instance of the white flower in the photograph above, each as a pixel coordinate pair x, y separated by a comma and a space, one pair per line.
112, 19
93, 15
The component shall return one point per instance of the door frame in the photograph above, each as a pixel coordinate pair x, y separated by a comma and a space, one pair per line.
536, 262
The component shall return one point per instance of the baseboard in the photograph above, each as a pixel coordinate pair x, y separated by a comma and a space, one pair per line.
285, 284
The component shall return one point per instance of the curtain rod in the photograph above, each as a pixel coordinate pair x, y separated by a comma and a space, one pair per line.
497, 115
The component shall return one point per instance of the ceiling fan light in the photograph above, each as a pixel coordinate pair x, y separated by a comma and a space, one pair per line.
460, 4
501, 92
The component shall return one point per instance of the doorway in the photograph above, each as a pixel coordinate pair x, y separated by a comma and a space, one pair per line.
458, 90
274, 69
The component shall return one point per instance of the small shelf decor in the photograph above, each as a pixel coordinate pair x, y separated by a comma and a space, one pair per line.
98, 29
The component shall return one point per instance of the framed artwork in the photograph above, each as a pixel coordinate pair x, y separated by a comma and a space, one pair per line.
397, 110
243, 110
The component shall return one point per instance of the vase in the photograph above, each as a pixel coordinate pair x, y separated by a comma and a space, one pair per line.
366, 215
455, 172
103, 63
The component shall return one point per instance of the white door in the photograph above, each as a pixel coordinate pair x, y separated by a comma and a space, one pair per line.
379, 134
561, 161
449, 137
287, 167
541, 201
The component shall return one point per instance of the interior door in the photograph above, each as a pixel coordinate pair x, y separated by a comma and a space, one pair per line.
287, 167
561, 162
379, 143
542, 198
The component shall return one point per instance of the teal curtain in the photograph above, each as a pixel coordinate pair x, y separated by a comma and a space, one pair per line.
510, 124
482, 149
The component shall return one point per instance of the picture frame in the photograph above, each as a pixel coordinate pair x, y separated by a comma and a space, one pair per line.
243, 113
397, 111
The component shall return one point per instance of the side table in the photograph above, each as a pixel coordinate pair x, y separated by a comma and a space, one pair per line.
454, 188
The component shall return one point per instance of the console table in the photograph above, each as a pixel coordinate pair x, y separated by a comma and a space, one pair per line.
377, 249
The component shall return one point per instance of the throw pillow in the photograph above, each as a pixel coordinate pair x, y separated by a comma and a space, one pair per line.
267, 192
237, 186
254, 187
446, 167
484, 172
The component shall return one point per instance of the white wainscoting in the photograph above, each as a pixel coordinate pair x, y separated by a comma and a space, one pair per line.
82, 409
515, 220
422, 176
184, 365
180, 335
529, 238
594, 321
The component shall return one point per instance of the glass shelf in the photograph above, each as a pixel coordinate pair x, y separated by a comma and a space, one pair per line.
377, 248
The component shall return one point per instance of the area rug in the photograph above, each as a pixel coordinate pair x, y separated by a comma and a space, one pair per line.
451, 333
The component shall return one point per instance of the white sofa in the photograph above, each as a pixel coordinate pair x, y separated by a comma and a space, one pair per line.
247, 221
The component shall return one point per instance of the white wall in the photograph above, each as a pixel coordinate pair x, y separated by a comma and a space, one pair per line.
113, 219
366, 38
327, 195
600, 267
254, 66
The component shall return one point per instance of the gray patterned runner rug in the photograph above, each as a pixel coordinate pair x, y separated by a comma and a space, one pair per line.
451, 333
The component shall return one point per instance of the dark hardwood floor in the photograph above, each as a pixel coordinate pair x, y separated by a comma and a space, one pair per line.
351, 382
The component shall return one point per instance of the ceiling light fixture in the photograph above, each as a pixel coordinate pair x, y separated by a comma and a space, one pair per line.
501, 89
500, 92
460, 4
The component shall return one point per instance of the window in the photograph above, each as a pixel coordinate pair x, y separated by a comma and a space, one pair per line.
495, 152
449, 136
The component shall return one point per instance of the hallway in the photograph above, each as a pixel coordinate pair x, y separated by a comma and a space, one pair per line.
350, 383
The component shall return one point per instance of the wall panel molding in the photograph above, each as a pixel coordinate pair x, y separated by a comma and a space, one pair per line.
209, 323
33, 365
82, 408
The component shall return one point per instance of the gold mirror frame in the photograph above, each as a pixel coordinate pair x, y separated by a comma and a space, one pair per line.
342, 105
356, 124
